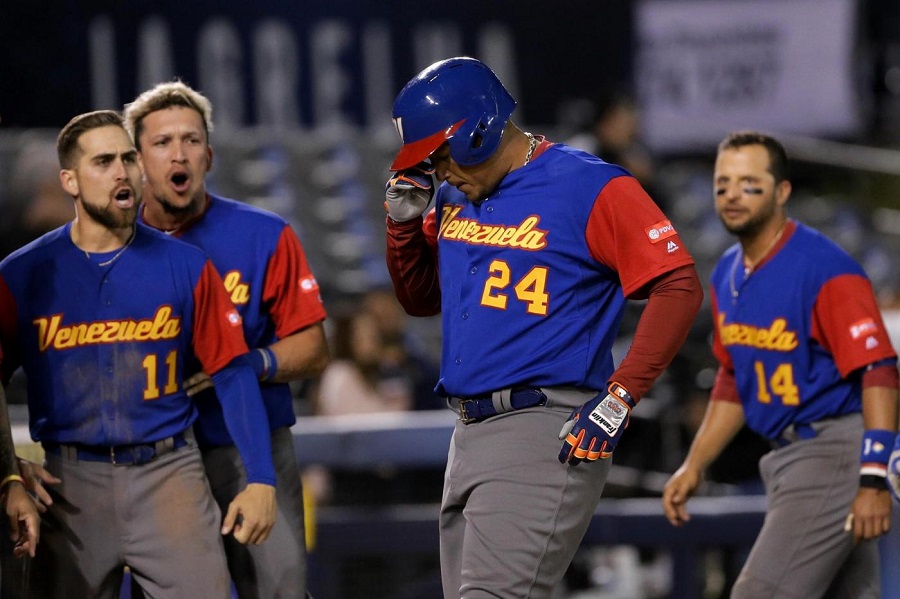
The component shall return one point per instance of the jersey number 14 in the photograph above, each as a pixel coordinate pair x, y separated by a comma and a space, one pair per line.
780, 383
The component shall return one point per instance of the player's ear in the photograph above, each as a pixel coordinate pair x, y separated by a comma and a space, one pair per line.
69, 181
782, 192
209, 157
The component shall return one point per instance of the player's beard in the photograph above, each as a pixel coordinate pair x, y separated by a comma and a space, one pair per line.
111, 216
754, 225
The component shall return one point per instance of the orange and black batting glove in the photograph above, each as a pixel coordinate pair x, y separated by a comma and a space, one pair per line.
593, 430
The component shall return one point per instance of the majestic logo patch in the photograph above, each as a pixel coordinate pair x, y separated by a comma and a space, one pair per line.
661, 230
862, 327
671, 247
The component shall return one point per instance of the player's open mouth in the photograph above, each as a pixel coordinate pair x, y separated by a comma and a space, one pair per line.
180, 182
125, 197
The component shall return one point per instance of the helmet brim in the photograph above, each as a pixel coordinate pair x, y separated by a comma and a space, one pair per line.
414, 152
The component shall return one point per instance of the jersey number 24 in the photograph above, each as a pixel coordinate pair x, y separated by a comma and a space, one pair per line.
531, 289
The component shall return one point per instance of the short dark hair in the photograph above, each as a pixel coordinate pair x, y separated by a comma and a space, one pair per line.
778, 160
67, 147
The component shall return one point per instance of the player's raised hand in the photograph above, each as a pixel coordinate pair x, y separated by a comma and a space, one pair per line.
408, 193
893, 470
251, 515
679, 488
24, 520
593, 430
35, 478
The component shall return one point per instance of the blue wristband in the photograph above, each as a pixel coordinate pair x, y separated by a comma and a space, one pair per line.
875, 451
264, 363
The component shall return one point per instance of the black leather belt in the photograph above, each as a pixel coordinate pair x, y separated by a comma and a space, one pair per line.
117, 455
475, 409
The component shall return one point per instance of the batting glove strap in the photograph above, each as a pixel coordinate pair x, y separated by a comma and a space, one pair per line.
408, 193
593, 430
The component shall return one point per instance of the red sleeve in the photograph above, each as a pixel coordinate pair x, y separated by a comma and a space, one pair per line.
848, 323
218, 336
628, 232
8, 318
724, 387
290, 289
674, 300
412, 262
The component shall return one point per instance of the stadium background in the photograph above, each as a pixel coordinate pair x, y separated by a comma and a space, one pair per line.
302, 93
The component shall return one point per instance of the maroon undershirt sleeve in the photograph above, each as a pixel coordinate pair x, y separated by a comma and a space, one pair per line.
412, 264
673, 302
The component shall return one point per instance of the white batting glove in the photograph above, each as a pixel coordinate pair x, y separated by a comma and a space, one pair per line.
408, 193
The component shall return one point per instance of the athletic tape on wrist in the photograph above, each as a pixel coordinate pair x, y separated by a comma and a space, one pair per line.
876, 451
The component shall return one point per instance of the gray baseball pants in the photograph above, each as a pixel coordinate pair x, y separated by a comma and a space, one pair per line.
277, 568
512, 515
802, 551
159, 518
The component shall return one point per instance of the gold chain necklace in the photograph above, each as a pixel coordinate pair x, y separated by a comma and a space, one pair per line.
532, 145
119, 253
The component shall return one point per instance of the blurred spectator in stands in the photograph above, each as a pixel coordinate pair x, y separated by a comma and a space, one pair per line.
364, 375
614, 136
403, 351
38, 204
370, 372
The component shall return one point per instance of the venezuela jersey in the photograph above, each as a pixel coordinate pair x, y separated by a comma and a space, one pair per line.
105, 348
796, 331
268, 279
534, 279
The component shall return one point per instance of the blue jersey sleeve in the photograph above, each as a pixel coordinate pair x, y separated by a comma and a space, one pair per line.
245, 417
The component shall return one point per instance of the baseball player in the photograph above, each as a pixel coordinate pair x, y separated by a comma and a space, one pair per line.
269, 280
105, 316
805, 361
530, 254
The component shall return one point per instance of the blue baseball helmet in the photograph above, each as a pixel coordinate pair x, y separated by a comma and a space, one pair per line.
459, 100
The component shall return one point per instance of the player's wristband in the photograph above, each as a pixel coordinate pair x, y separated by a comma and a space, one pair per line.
264, 363
872, 481
875, 452
9, 479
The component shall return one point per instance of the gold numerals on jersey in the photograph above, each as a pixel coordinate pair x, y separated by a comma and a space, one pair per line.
531, 289
781, 384
151, 367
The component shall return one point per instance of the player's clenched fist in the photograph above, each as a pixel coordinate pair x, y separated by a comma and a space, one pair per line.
593, 430
408, 193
